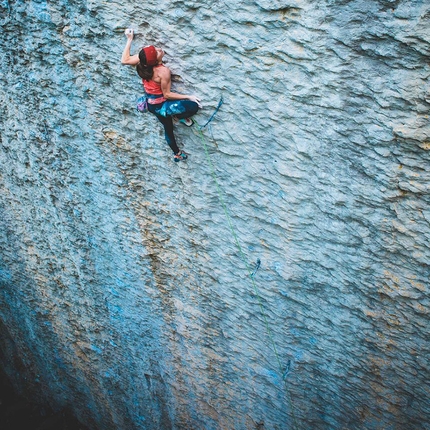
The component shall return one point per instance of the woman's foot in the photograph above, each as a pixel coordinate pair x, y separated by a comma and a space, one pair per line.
180, 156
187, 121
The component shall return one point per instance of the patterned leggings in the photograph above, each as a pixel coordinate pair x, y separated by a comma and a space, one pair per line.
181, 109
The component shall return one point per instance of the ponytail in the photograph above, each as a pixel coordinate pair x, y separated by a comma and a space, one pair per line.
143, 70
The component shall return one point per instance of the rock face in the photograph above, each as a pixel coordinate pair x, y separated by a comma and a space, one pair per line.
126, 294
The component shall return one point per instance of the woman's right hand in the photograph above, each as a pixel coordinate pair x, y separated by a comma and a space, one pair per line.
195, 100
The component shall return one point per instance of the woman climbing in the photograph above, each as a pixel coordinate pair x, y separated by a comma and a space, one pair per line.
162, 102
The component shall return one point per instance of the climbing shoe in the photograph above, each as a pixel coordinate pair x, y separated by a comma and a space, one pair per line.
180, 156
187, 121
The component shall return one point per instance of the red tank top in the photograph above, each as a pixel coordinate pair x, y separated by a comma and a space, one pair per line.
153, 88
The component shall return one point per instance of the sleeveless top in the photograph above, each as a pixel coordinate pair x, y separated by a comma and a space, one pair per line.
153, 90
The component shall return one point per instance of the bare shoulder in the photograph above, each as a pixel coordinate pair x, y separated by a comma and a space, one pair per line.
163, 71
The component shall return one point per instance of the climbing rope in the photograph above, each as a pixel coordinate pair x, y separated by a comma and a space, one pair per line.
201, 127
251, 274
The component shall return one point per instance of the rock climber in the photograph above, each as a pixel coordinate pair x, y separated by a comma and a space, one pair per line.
162, 102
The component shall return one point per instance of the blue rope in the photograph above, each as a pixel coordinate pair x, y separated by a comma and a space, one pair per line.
220, 103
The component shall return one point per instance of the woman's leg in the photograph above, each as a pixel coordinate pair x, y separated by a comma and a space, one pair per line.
191, 109
181, 109
168, 129
168, 132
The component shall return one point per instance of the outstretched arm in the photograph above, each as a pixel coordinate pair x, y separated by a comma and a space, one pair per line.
166, 83
126, 58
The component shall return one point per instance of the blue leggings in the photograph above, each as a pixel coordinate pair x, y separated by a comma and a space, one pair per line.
181, 109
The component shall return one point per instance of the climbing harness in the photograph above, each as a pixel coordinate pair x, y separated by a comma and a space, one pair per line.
251, 274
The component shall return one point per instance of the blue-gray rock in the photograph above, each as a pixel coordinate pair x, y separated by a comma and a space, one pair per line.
126, 293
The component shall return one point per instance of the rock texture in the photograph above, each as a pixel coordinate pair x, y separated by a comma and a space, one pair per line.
124, 297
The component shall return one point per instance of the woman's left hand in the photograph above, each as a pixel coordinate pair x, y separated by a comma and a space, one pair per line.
129, 32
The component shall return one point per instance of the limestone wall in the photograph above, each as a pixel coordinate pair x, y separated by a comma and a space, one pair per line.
123, 294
